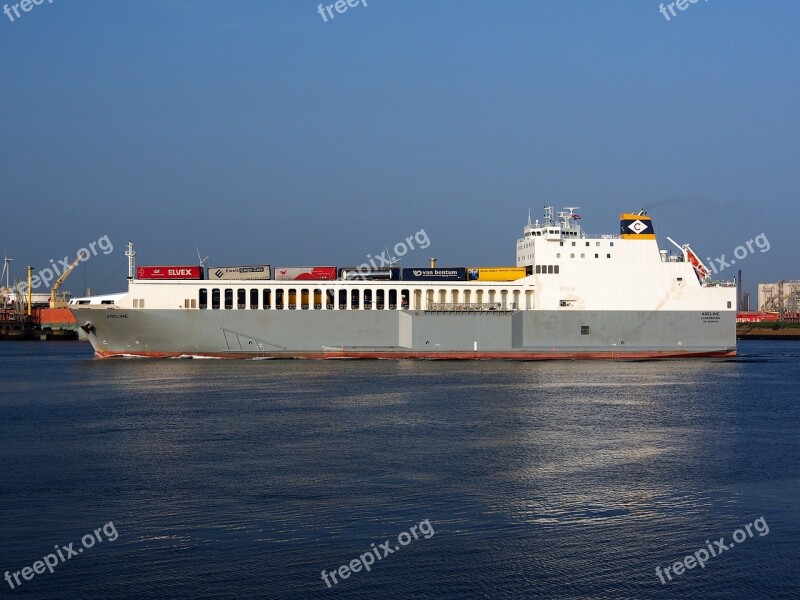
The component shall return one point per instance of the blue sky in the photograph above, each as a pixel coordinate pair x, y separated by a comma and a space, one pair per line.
263, 134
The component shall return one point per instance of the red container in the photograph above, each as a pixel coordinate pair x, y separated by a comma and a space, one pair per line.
170, 272
305, 273
756, 317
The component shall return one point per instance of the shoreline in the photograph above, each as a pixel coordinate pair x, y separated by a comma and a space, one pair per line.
768, 331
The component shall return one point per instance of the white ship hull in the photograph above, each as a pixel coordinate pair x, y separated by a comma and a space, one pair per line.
526, 335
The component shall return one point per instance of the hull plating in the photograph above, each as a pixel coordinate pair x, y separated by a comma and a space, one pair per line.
521, 335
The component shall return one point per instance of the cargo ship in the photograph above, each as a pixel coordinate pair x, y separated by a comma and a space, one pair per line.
571, 295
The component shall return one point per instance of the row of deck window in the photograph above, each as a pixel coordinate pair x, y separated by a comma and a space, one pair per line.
305, 299
547, 269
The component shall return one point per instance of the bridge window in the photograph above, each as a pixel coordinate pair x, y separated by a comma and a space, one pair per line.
267, 299
584, 330
215, 298
253, 299
228, 298
203, 297
241, 298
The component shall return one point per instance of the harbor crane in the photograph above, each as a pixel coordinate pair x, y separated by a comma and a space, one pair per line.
54, 301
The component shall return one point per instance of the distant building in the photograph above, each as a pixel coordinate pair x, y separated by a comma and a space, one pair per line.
739, 291
783, 296
745, 304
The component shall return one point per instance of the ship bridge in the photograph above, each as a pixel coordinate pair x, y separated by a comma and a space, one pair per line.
563, 227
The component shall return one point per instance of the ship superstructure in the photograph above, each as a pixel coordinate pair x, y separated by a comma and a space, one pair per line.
581, 296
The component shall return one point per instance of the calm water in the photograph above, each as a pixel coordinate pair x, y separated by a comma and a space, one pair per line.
229, 479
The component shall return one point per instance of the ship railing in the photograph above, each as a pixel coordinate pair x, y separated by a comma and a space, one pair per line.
464, 306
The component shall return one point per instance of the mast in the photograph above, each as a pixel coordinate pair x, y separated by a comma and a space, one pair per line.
131, 260
30, 290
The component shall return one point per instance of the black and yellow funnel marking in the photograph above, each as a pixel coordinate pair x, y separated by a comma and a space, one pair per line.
636, 227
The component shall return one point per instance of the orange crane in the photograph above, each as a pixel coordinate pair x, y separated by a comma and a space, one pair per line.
54, 302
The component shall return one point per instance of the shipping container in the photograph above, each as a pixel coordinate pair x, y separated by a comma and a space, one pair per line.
495, 273
435, 274
170, 272
247, 273
305, 273
757, 317
356, 274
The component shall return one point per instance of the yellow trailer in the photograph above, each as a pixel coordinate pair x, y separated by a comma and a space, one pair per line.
495, 273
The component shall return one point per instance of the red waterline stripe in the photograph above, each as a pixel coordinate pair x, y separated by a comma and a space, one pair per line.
444, 355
